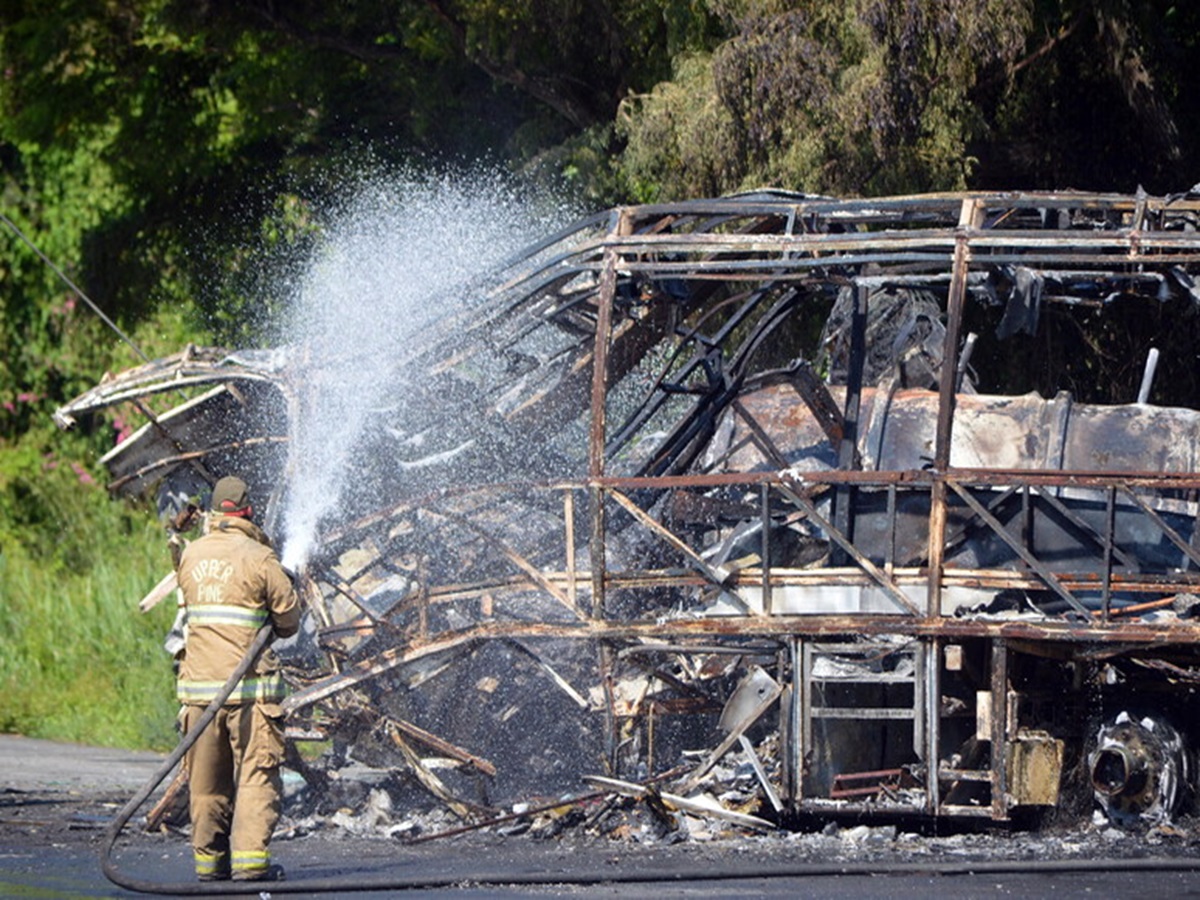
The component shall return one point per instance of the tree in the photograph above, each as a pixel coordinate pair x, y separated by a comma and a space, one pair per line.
869, 97
858, 97
1101, 99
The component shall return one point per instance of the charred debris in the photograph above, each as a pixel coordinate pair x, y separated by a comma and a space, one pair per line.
699, 502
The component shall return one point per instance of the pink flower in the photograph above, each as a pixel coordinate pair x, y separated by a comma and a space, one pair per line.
82, 473
123, 429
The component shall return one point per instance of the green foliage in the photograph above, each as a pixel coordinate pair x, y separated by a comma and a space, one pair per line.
860, 97
865, 97
1103, 99
681, 137
586, 168
78, 661
52, 343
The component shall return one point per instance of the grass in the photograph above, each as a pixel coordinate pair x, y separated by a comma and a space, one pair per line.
78, 661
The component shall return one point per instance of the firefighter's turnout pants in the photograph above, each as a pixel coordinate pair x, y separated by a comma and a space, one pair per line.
237, 756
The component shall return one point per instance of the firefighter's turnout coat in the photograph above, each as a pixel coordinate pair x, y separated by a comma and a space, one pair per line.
232, 585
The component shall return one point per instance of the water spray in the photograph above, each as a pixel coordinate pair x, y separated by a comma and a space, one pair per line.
404, 252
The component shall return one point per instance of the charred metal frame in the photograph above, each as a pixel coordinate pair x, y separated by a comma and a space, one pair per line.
608, 280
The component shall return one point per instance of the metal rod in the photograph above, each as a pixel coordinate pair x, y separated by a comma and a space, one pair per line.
970, 217
1000, 726
596, 438
889, 586
1105, 543
1110, 542
889, 563
569, 529
1170, 533
765, 500
933, 717
1148, 375
1018, 547
717, 574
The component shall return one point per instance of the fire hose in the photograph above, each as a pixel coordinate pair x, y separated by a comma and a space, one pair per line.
634, 875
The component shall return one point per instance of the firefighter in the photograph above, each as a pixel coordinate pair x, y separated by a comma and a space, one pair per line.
233, 584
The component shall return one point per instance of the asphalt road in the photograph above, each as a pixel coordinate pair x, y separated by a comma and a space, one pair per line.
28, 764
56, 800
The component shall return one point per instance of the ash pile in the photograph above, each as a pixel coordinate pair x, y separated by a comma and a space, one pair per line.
728, 811
382, 774
362, 801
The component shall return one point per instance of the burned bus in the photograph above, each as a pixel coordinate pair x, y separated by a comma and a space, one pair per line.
738, 479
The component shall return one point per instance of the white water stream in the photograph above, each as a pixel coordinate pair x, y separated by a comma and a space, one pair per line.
402, 252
